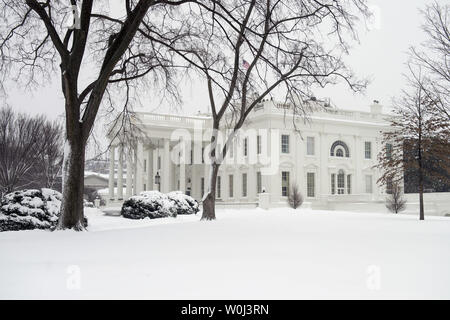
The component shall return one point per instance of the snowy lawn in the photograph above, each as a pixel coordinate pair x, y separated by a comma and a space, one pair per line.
244, 254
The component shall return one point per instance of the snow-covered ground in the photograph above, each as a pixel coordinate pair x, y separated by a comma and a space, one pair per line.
244, 254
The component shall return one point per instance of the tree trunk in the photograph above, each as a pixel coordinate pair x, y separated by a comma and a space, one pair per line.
209, 201
73, 186
422, 213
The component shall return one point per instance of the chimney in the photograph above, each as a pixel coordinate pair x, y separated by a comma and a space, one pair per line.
376, 107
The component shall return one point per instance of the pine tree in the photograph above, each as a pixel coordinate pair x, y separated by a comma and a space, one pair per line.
295, 197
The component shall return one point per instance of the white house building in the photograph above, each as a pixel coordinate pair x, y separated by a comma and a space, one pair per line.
331, 156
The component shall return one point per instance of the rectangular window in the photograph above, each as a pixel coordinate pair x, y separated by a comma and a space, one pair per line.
219, 188
258, 144
368, 150
310, 184
203, 156
340, 183
310, 146
202, 182
244, 184
368, 184
258, 182
333, 183
388, 151
389, 185
159, 162
285, 183
349, 184
284, 143
245, 147
192, 156
145, 165
230, 186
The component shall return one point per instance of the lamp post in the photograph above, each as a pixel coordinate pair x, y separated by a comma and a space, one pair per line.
158, 180
157, 176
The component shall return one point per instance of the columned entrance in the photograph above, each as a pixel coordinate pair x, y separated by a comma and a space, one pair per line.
341, 182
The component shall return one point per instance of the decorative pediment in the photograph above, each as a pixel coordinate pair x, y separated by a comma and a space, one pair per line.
368, 169
286, 164
243, 167
311, 166
342, 165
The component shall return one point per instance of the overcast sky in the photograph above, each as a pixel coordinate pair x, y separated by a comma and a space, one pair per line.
381, 55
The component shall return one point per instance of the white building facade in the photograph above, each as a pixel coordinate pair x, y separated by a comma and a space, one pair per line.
331, 156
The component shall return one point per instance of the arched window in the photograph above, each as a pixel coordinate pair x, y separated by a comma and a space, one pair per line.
339, 148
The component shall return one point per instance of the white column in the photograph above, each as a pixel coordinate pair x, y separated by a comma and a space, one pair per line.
157, 168
357, 180
300, 162
173, 176
252, 160
183, 159
223, 173
120, 175
322, 181
129, 171
194, 178
134, 171
165, 170
111, 172
150, 169
251, 183
139, 168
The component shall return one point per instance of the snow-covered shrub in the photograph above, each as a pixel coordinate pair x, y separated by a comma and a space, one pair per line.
29, 209
184, 203
88, 204
154, 204
395, 202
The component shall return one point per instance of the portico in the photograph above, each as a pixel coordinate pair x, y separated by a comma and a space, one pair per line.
155, 160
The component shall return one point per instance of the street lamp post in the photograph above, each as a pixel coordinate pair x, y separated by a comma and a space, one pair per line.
158, 180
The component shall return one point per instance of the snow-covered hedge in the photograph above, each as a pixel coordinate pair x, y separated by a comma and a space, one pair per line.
154, 204
183, 203
30, 209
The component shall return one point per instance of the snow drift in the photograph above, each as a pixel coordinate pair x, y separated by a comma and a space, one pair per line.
154, 204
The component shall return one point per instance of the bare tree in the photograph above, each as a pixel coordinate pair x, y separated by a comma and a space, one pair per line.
434, 55
245, 49
395, 201
30, 150
35, 41
295, 198
50, 163
419, 140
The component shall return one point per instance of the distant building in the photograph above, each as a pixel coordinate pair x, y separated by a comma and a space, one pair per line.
95, 181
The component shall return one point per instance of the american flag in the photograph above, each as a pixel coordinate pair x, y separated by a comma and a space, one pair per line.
245, 64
